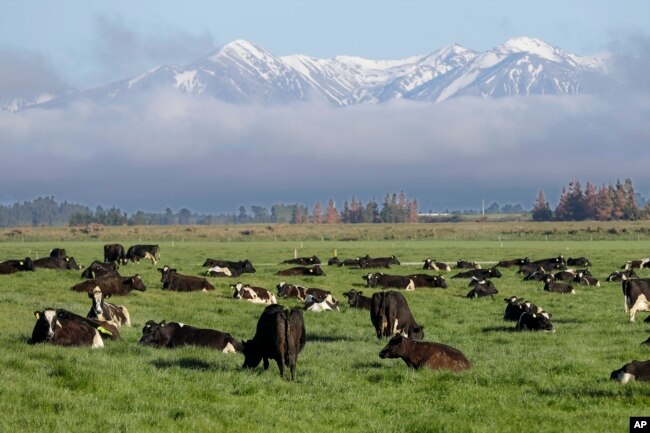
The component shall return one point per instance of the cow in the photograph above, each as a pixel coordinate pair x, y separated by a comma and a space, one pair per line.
378, 262
135, 253
481, 274
302, 270
286, 290
637, 296
105, 311
550, 263
390, 315
622, 275
171, 335
111, 285
481, 288
416, 354
218, 271
174, 281
538, 275
98, 269
303, 261
334, 261
558, 287
535, 322
436, 266
315, 304
585, 278
516, 307
635, 370
582, 262
256, 295
357, 300
114, 253
53, 327
58, 252
11, 266
566, 275
513, 262
636, 264
68, 263
426, 280
350, 262
236, 268
379, 279
280, 335
464, 264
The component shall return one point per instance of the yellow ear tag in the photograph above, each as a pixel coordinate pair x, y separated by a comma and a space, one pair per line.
37, 315
103, 330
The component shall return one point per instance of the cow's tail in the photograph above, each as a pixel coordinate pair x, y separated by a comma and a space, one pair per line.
626, 295
294, 338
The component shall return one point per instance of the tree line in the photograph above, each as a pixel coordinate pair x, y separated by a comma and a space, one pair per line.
604, 203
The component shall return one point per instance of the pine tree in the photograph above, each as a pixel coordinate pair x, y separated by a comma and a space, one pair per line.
604, 205
591, 200
413, 212
316, 214
331, 214
541, 209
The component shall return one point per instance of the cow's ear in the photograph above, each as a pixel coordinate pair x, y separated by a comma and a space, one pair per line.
67, 259
37, 314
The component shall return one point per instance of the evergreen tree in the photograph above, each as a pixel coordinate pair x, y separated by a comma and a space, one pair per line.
316, 215
541, 209
331, 214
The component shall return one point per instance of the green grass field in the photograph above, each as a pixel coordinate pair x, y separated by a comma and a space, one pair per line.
519, 381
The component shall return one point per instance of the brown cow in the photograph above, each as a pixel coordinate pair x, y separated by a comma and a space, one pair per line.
111, 285
418, 354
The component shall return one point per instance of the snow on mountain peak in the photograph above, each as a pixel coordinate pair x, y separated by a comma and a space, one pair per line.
241, 48
535, 46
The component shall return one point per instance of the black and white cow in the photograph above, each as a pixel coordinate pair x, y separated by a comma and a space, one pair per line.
53, 329
637, 296
286, 290
426, 280
436, 266
513, 262
377, 262
235, 268
256, 295
582, 262
481, 274
303, 261
516, 307
114, 253
135, 253
317, 305
302, 270
635, 370
535, 322
173, 334
12, 266
105, 311
464, 264
390, 315
481, 288
379, 279
622, 275
558, 287
636, 264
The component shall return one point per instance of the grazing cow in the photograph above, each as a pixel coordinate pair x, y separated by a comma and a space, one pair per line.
623, 275
390, 315
637, 296
173, 334
53, 329
558, 287
436, 266
114, 253
99, 269
172, 280
380, 279
256, 295
635, 370
464, 264
534, 322
583, 262
636, 264
426, 280
378, 262
135, 253
357, 300
418, 354
58, 252
481, 288
236, 268
303, 261
11, 266
105, 311
295, 291
513, 262
111, 285
302, 270
57, 263
481, 274
317, 305
280, 335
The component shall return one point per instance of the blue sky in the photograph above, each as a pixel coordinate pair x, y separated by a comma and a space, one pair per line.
80, 38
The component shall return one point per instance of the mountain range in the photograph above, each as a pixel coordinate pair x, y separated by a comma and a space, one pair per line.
242, 72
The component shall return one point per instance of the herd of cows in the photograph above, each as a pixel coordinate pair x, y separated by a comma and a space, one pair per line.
280, 334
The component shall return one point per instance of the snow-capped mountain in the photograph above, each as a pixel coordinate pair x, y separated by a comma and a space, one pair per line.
242, 72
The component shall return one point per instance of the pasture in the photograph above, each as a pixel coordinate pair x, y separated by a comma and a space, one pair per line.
519, 381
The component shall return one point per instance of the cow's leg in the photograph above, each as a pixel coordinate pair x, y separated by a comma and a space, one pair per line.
280, 361
265, 360
641, 304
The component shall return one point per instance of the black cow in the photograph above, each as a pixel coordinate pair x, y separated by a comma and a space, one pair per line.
637, 296
172, 280
535, 322
111, 285
583, 262
53, 329
378, 262
11, 266
390, 315
57, 263
481, 274
351, 263
380, 279
418, 354
558, 287
303, 261
114, 253
622, 275
538, 275
99, 269
550, 263
357, 300
513, 262
426, 280
105, 311
58, 252
436, 266
481, 288
566, 275
135, 253
635, 370
464, 264
173, 334
280, 335
235, 268
302, 270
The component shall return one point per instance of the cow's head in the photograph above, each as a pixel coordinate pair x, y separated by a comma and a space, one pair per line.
494, 272
440, 281
316, 270
248, 266
353, 296
70, 263
46, 322
239, 287
136, 283
394, 260
252, 354
151, 333
395, 348
542, 322
27, 265
97, 298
